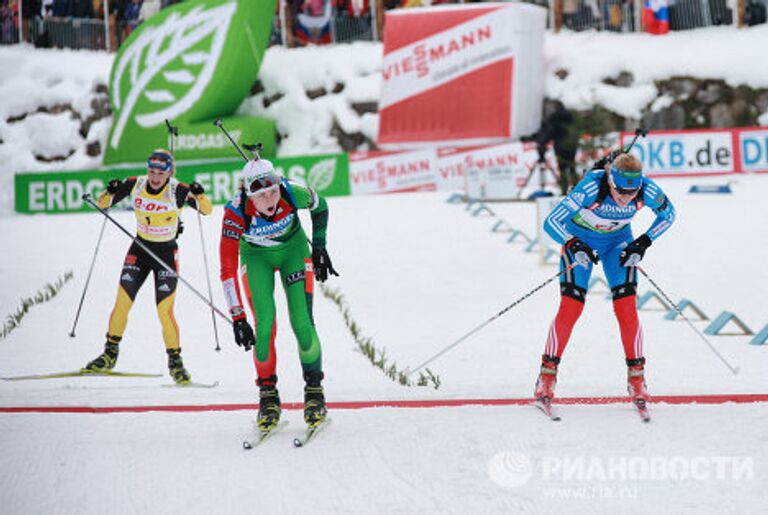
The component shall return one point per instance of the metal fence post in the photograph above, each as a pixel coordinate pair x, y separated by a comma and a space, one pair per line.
374, 19
21, 21
107, 44
283, 23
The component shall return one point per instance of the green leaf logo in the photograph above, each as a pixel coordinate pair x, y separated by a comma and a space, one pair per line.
190, 63
321, 175
153, 66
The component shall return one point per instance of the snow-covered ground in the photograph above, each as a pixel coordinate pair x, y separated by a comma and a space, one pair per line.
417, 273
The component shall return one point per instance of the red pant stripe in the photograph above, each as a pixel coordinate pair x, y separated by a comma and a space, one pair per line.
551, 349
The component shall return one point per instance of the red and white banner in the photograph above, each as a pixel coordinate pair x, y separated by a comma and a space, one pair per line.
499, 170
461, 74
390, 172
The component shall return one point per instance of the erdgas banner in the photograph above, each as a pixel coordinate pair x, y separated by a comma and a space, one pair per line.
191, 63
461, 75
61, 192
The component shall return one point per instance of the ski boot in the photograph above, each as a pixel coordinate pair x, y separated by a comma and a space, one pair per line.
545, 385
314, 399
176, 367
636, 381
107, 360
269, 404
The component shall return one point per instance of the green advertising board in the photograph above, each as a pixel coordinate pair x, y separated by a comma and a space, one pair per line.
191, 63
61, 192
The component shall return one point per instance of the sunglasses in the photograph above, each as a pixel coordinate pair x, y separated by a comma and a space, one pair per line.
624, 191
159, 163
262, 183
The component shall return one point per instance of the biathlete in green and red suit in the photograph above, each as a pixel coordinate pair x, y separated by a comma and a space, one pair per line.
261, 229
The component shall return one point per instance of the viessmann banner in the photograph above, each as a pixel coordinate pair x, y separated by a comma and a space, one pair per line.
61, 192
702, 152
461, 75
432, 169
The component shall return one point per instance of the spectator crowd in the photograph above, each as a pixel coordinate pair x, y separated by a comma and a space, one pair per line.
79, 23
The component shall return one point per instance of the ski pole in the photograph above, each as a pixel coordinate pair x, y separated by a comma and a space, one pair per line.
613, 154
494, 317
88, 279
208, 280
217, 122
173, 132
638, 132
734, 370
87, 198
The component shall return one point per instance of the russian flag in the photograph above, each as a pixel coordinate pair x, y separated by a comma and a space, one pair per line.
656, 16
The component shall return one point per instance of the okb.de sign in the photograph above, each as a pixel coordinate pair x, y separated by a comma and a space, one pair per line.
702, 151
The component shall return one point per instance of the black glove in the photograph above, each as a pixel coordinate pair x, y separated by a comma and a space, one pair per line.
196, 188
581, 252
244, 334
321, 261
113, 186
635, 251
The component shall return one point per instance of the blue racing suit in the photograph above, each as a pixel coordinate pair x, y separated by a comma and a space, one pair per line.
589, 213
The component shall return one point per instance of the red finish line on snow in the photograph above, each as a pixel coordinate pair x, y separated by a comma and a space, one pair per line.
427, 403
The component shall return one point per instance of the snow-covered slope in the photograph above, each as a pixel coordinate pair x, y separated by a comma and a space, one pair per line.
417, 273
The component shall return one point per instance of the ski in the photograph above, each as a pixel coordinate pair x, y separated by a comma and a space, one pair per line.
192, 384
642, 410
263, 436
545, 405
311, 432
78, 373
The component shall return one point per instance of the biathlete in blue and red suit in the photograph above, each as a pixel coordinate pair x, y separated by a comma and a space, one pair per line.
593, 224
